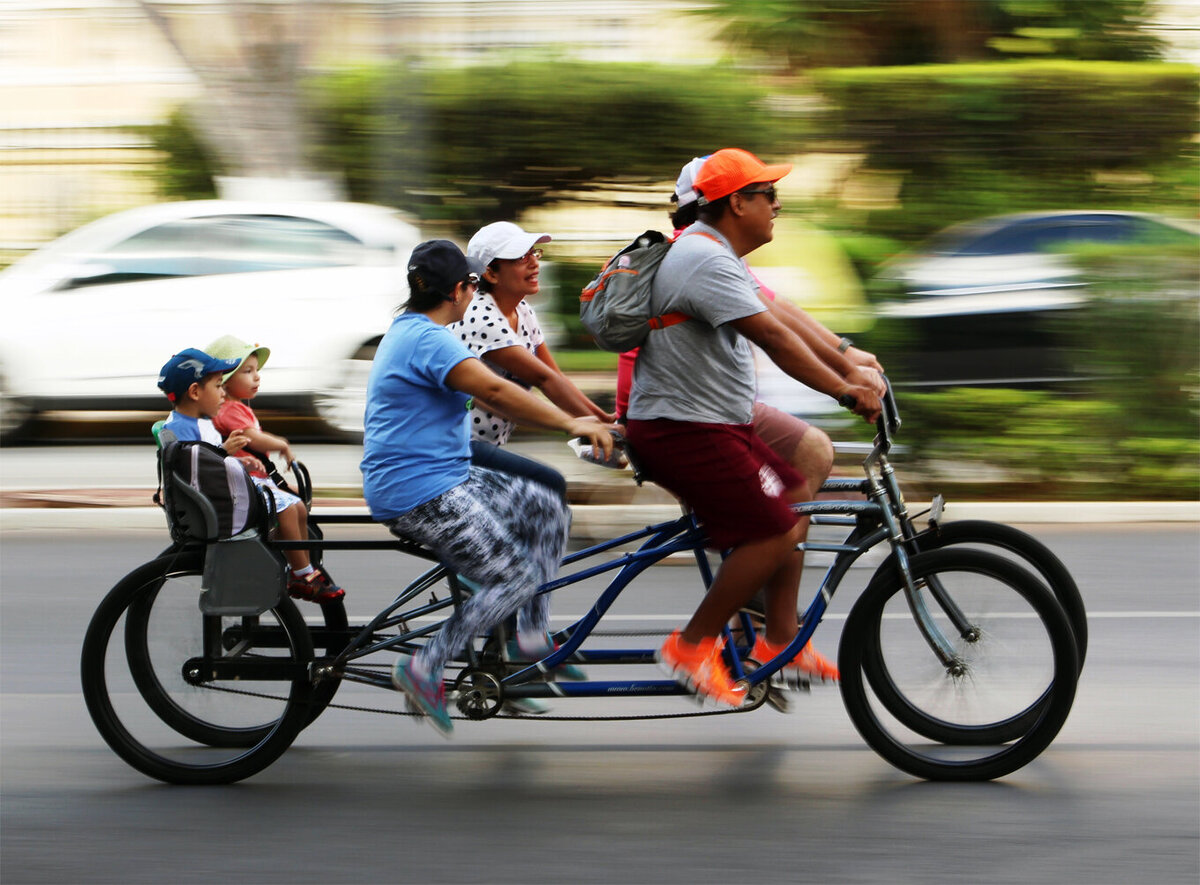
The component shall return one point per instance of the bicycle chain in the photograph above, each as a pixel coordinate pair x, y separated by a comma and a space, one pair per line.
537, 718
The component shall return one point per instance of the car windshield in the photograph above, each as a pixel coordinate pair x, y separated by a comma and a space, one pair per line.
1043, 234
237, 244
202, 246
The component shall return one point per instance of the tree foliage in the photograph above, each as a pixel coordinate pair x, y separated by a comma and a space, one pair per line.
971, 140
801, 34
477, 144
189, 166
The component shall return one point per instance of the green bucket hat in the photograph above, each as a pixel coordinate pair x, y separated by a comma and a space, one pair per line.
228, 347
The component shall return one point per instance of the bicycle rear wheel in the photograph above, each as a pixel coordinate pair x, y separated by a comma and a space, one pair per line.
176, 731
155, 670
1017, 669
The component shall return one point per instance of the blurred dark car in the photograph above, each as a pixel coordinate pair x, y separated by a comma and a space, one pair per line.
983, 303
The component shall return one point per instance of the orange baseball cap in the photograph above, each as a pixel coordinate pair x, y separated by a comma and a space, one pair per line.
731, 169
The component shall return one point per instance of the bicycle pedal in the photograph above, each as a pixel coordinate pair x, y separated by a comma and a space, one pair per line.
792, 681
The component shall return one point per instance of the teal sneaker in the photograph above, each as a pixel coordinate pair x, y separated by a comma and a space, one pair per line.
525, 707
427, 696
567, 671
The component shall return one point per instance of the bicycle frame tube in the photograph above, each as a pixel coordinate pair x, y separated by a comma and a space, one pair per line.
680, 535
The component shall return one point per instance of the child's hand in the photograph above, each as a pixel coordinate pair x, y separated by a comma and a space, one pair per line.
286, 452
236, 441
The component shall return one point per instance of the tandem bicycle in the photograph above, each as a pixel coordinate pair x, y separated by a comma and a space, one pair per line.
959, 660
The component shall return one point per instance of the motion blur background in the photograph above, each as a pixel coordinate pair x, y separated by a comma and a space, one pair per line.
1062, 366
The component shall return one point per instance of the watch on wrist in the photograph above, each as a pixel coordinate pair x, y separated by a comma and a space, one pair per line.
844, 345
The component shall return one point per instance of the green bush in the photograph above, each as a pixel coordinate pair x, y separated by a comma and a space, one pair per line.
477, 144
1048, 446
979, 139
190, 167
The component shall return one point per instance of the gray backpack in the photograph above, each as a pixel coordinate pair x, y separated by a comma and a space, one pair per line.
615, 306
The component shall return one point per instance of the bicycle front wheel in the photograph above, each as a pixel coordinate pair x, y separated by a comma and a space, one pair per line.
174, 697
1024, 549
942, 703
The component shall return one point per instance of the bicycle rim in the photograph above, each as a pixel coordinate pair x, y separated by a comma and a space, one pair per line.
181, 705
998, 705
173, 732
1024, 549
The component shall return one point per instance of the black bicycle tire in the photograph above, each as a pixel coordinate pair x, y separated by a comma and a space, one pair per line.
160, 701
1028, 548
915, 719
1032, 553
127, 591
860, 639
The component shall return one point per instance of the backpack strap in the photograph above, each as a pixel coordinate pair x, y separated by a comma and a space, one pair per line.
676, 317
668, 319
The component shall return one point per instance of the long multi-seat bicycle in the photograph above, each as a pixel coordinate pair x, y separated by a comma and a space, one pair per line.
959, 660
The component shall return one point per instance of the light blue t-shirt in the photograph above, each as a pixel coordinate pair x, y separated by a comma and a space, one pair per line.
416, 444
187, 427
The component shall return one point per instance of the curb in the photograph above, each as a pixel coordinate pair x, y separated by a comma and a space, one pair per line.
596, 521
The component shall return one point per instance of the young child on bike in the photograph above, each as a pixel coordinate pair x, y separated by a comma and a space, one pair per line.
236, 423
191, 380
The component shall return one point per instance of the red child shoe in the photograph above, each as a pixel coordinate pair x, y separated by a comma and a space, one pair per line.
316, 586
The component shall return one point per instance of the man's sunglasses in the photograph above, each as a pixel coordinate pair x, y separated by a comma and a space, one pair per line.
772, 196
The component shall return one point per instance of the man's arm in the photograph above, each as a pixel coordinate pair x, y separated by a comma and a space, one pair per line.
790, 352
824, 345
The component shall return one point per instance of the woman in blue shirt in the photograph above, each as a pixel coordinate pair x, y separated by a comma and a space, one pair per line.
504, 533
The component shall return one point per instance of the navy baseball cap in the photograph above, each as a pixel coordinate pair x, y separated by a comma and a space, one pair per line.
188, 367
439, 265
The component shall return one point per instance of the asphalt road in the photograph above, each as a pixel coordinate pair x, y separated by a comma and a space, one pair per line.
763, 797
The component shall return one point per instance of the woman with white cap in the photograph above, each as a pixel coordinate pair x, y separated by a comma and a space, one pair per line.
502, 328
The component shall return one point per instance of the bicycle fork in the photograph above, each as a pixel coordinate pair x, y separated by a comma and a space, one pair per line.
884, 490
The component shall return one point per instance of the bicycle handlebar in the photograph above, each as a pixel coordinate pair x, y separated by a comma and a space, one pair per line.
888, 422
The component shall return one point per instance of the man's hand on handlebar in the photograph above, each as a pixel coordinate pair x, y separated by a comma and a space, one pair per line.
862, 401
866, 376
863, 358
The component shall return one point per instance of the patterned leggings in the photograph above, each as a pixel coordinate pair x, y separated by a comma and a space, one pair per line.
503, 532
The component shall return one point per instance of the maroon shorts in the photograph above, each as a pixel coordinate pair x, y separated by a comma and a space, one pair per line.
780, 431
737, 486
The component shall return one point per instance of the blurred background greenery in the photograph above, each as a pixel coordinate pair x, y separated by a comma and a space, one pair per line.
902, 116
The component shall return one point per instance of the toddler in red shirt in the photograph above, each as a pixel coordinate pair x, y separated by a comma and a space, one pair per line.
241, 385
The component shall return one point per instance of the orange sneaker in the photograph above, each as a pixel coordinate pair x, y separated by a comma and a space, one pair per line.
808, 661
700, 668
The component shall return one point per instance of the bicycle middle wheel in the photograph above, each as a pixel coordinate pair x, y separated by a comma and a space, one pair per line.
1018, 664
155, 610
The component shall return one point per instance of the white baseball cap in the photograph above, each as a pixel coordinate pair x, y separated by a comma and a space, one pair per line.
502, 239
685, 184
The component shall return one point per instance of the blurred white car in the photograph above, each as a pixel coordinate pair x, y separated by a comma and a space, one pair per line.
87, 321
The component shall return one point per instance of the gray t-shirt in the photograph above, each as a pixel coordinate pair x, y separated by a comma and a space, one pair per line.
700, 370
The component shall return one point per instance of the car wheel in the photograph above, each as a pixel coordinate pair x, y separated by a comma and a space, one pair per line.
15, 413
341, 405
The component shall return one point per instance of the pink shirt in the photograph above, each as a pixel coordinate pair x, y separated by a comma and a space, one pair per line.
236, 415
